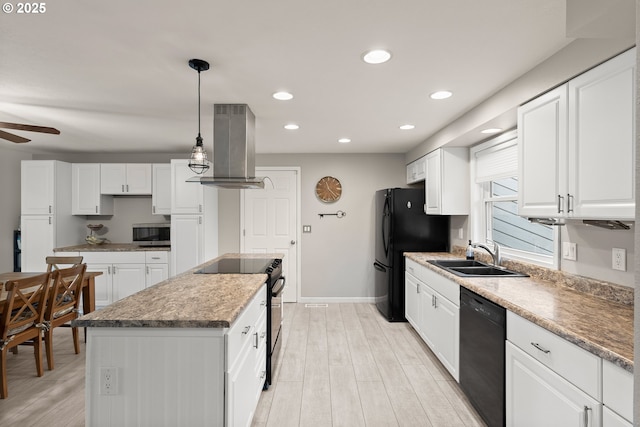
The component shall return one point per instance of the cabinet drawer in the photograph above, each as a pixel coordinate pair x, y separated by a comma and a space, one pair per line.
445, 287
576, 365
124, 257
156, 257
617, 389
242, 331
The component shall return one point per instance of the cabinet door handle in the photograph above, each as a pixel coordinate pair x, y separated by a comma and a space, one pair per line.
49, 220
200, 208
586, 416
49, 208
123, 188
435, 301
96, 208
114, 270
569, 203
153, 209
246, 330
255, 342
539, 347
109, 270
127, 188
147, 269
560, 199
417, 289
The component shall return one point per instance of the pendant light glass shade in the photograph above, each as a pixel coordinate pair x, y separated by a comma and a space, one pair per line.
198, 161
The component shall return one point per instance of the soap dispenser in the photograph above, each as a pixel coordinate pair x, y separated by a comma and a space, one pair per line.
470, 254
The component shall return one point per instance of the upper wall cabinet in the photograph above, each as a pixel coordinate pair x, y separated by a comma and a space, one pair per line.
86, 198
161, 193
186, 197
128, 179
447, 182
577, 148
417, 170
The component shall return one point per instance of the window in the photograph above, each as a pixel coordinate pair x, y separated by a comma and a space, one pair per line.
495, 208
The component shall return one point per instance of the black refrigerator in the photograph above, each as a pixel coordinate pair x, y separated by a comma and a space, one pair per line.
402, 226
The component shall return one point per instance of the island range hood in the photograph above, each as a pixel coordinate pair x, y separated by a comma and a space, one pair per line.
234, 157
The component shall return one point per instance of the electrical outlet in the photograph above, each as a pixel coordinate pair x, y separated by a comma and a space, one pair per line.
569, 251
619, 259
306, 229
108, 381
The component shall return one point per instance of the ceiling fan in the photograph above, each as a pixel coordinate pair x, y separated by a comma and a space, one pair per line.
18, 126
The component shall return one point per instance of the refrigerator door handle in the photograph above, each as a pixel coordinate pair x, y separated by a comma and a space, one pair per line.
379, 267
386, 217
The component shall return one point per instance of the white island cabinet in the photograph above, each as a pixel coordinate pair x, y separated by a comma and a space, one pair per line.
189, 351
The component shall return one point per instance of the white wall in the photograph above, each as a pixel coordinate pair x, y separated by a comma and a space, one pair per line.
10, 196
337, 256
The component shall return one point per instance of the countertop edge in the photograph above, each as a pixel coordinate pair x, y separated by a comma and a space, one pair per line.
547, 324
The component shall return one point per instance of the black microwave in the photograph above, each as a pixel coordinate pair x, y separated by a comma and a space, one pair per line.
152, 234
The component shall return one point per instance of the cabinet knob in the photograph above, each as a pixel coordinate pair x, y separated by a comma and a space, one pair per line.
246, 330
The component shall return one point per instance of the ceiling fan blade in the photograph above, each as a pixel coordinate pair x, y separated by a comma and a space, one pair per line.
31, 128
13, 138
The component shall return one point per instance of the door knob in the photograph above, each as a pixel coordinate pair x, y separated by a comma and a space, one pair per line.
293, 242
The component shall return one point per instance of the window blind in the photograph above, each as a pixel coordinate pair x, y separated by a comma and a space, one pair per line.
497, 161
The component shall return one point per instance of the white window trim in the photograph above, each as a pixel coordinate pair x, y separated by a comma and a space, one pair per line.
478, 214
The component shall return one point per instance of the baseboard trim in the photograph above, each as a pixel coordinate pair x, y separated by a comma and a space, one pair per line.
335, 300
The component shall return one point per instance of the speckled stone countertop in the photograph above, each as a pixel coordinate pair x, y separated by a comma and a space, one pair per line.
600, 324
188, 300
111, 247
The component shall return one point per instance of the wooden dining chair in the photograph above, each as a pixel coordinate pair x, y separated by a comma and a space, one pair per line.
58, 262
21, 319
63, 305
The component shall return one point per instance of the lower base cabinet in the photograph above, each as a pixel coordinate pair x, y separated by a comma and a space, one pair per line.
432, 307
537, 396
179, 376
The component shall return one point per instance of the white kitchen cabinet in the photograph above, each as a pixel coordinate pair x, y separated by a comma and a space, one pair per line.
38, 240
187, 242
46, 220
157, 267
126, 178
186, 197
86, 198
161, 191
617, 392
38, 187
123, 274
220, 372
194, 219
577, 146
611, 419
433, 304
447, 182
417, 170
537, 396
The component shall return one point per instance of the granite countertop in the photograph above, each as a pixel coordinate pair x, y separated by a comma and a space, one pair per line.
188, 300
600, 324
111, 247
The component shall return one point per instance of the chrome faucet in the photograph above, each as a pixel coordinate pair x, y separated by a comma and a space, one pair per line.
497, 259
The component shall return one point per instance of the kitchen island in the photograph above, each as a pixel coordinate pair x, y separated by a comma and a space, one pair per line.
187, 351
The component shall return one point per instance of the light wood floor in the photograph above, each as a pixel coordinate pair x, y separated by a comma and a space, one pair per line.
343, 365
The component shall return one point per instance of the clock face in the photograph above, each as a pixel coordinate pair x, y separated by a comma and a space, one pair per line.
328, 189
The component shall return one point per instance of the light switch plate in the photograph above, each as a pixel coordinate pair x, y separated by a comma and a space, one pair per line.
569, 251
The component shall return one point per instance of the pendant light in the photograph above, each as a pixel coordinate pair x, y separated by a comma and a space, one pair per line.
198, 161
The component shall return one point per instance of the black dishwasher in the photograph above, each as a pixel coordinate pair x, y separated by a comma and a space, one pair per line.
482, 342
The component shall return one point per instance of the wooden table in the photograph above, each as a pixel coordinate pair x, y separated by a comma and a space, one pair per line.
88, 288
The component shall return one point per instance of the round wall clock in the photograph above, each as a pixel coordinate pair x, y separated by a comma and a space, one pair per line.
328, 189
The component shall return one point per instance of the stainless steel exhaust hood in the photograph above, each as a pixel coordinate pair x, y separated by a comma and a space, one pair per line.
233, 149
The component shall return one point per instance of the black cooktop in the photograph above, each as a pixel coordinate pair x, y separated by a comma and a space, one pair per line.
237, 266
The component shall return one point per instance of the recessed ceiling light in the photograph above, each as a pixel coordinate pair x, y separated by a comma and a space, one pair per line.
291, 126
282, 96
491, 130
376, 56
407, 127
344, 140
441, 94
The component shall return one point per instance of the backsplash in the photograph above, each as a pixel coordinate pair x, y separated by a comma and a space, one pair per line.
599, 288
126, 211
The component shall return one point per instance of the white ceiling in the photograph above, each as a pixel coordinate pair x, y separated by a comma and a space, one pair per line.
112, 76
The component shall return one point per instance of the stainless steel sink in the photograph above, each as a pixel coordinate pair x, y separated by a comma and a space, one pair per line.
472, 268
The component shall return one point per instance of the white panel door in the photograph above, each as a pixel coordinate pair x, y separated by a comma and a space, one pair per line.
139, 178
270, 222
113, 178
186, 197
161, 192
187, 244
103, 291
156, 273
